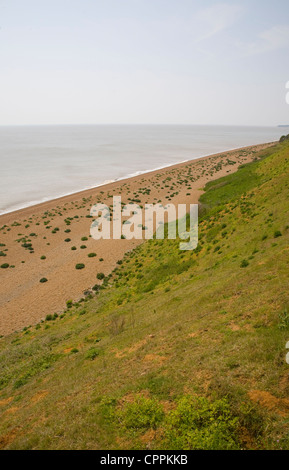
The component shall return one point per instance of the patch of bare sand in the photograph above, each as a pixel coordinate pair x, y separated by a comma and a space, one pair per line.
155, 358
39, 396
270, 402
6, 401
8, 438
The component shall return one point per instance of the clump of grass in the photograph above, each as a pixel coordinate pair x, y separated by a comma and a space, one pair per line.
43, 280
284, 319
244, 263
100, 276
91, 354
79, 266
277, 234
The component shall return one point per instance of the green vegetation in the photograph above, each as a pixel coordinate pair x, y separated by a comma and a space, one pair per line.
80, 266
5, 266
198, 424
175, 350
284, 138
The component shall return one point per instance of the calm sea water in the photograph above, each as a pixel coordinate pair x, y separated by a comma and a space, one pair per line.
39, 163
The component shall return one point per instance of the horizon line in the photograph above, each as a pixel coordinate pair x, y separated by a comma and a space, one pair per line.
142, 124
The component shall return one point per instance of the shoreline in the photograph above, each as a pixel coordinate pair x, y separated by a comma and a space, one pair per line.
50, 239
105, 185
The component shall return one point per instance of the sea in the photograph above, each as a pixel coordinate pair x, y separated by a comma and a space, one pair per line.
41, 163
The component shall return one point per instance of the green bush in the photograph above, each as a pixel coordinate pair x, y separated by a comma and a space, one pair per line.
143, 413
80, 266
244, 263
43, 280
277, 234
91, 354
100, 276
5, 266
91, 255
198, 424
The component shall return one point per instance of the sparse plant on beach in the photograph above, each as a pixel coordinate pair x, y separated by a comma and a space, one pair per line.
80, 266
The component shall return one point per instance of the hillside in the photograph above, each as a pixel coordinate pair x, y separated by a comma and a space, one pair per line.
176, 350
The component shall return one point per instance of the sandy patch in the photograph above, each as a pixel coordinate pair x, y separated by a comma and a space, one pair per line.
270, 402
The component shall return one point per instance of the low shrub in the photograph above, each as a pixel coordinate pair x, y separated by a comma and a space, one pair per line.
80, 266
244, 263
143, 413
91, 354
198, 424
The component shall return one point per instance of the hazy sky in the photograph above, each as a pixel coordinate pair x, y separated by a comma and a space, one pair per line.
144, 61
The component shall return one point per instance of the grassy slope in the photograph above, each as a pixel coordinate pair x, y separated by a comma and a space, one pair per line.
172, 324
